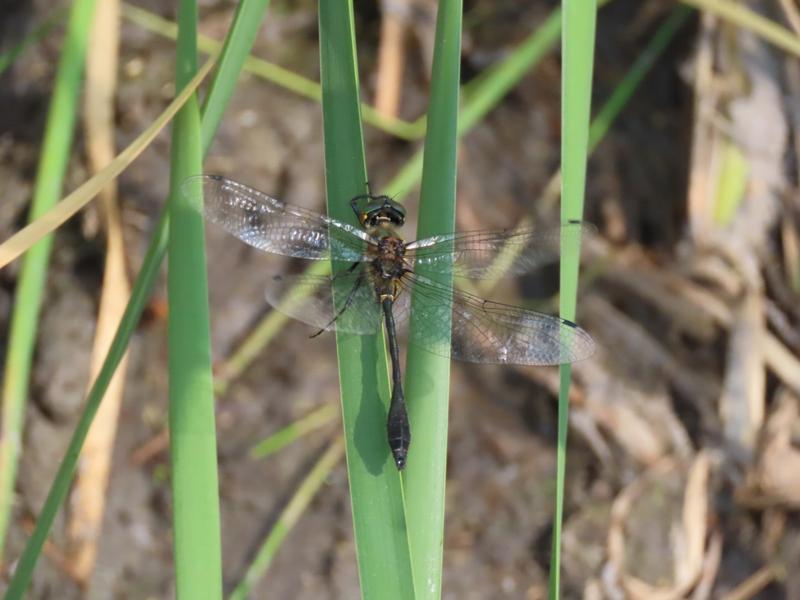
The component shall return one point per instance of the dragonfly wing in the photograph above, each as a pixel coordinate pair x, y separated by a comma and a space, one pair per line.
490, 332
494, 254
274, 226
310, 299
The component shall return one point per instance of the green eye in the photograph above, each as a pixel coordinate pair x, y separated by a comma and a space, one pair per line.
381, 209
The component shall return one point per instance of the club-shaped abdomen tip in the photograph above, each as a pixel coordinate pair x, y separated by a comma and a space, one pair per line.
399, 433
399, 458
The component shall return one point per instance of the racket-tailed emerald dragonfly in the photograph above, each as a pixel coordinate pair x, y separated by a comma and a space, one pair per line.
376, 286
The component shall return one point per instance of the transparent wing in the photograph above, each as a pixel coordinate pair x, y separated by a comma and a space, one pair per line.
494, 254
272, 225
310, 299
488, 332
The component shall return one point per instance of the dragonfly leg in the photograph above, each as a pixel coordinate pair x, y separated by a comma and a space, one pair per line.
350, 297
354, 205
397, 426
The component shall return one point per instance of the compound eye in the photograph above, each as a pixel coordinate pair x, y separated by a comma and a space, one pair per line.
398, 217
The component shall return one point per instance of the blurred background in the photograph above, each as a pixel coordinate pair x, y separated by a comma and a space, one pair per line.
682, 474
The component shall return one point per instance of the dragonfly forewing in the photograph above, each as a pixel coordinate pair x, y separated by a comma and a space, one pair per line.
274, 226
495, 254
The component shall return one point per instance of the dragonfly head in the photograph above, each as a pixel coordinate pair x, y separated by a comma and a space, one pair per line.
374, 211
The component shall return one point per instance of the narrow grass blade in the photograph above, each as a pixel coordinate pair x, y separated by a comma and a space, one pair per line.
288, 519
739, 14
483, 95
485, 91
39, 32
193, 445
51, 220
286, 79
256, 341
623, 92
608, 113
576, 92
428, 376
731, 186
325, 414
55, 154
378, 518
238, 42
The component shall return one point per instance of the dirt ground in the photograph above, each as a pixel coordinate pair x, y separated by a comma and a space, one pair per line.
650, 463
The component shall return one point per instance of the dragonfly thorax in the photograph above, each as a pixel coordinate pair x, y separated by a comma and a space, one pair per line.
389, 261
391, 246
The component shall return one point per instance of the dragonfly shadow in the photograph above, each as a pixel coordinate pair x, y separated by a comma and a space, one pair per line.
370, 440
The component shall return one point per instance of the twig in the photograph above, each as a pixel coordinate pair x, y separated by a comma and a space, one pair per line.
391, 57
88, 495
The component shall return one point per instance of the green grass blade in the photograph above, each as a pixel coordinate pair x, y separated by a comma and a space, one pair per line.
732, 175
611, 109
56, 149
8, 57
240, 38
607, 114
428, 376
302, 86
378, 517
486, 92
288, 518
576, 96
193, 447
739, 14
256, 341
324, 415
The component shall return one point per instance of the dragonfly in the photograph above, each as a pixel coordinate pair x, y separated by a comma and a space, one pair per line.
375, 288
